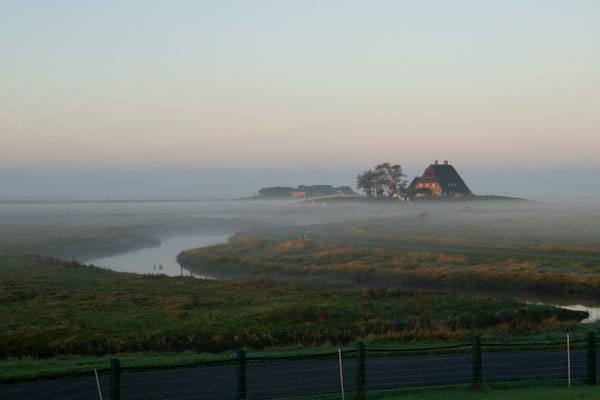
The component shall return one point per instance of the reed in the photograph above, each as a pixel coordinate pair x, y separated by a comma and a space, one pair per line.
352, 266
52, 308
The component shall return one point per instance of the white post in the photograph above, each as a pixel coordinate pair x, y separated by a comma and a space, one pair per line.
98, 383
341, 374
568, 360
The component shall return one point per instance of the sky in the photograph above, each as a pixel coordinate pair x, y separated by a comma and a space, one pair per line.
284, 90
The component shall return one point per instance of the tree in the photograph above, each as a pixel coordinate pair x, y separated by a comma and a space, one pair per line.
364, 182
371, 182
392, 177
375, 182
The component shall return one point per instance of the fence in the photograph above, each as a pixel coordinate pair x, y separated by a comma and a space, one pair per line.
355, 370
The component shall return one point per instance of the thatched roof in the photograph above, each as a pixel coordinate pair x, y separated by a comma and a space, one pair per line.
411, 189
447, 177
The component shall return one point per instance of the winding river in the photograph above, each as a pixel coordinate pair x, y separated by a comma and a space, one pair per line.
161, 259
40, 218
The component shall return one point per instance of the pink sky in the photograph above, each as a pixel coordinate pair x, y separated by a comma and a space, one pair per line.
187, 85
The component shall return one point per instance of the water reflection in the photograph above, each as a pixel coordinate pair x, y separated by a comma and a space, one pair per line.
161, 259
594, 312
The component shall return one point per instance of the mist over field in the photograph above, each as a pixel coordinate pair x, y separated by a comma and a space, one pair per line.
559, 221
169, 183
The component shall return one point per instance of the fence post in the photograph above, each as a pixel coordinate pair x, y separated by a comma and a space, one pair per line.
361, 388
591, 358
115, 379
241, 375
476, 363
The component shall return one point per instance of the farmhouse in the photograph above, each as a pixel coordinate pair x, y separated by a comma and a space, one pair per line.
304, 191
438, 180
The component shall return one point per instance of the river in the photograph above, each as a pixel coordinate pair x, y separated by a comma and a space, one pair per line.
214, 221
161, 259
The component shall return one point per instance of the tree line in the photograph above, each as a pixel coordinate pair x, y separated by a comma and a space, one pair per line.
384, 179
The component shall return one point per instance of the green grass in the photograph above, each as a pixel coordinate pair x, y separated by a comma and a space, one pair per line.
61, 311
496, 238
525, 390
462, 229
107, 235
321, 263
65, 241
28, 368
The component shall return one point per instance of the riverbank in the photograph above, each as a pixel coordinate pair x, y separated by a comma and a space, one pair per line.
348, 265
105, 236
54, 308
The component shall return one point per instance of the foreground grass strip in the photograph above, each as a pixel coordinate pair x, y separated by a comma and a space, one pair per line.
525, 390
27, 368
55, 311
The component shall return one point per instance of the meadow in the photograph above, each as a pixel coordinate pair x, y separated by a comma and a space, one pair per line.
293, 297
53, 308
348, 265
567, 227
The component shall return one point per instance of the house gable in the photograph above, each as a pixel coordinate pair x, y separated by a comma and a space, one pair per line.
442, 180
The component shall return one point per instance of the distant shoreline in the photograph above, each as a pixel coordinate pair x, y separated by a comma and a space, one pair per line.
389, 199
67, 201
360, 198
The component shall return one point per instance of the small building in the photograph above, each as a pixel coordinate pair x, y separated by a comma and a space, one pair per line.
298, 194
411, 190
438, 180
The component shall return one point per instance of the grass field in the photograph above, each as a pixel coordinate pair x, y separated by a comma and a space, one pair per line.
53, 309
321, 263
501, 235
525, 390
66, 242
94, 238
29, 368
482, 222
60, 317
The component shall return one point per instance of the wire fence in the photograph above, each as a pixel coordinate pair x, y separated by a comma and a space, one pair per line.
351, 370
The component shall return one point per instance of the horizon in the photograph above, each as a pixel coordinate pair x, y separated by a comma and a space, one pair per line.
172, 183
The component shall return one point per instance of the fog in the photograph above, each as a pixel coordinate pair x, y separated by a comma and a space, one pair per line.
166, 183
146, 236
34, 226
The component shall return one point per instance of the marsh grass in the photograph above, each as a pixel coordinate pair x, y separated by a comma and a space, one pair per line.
556, 237
352, 266
51, 308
